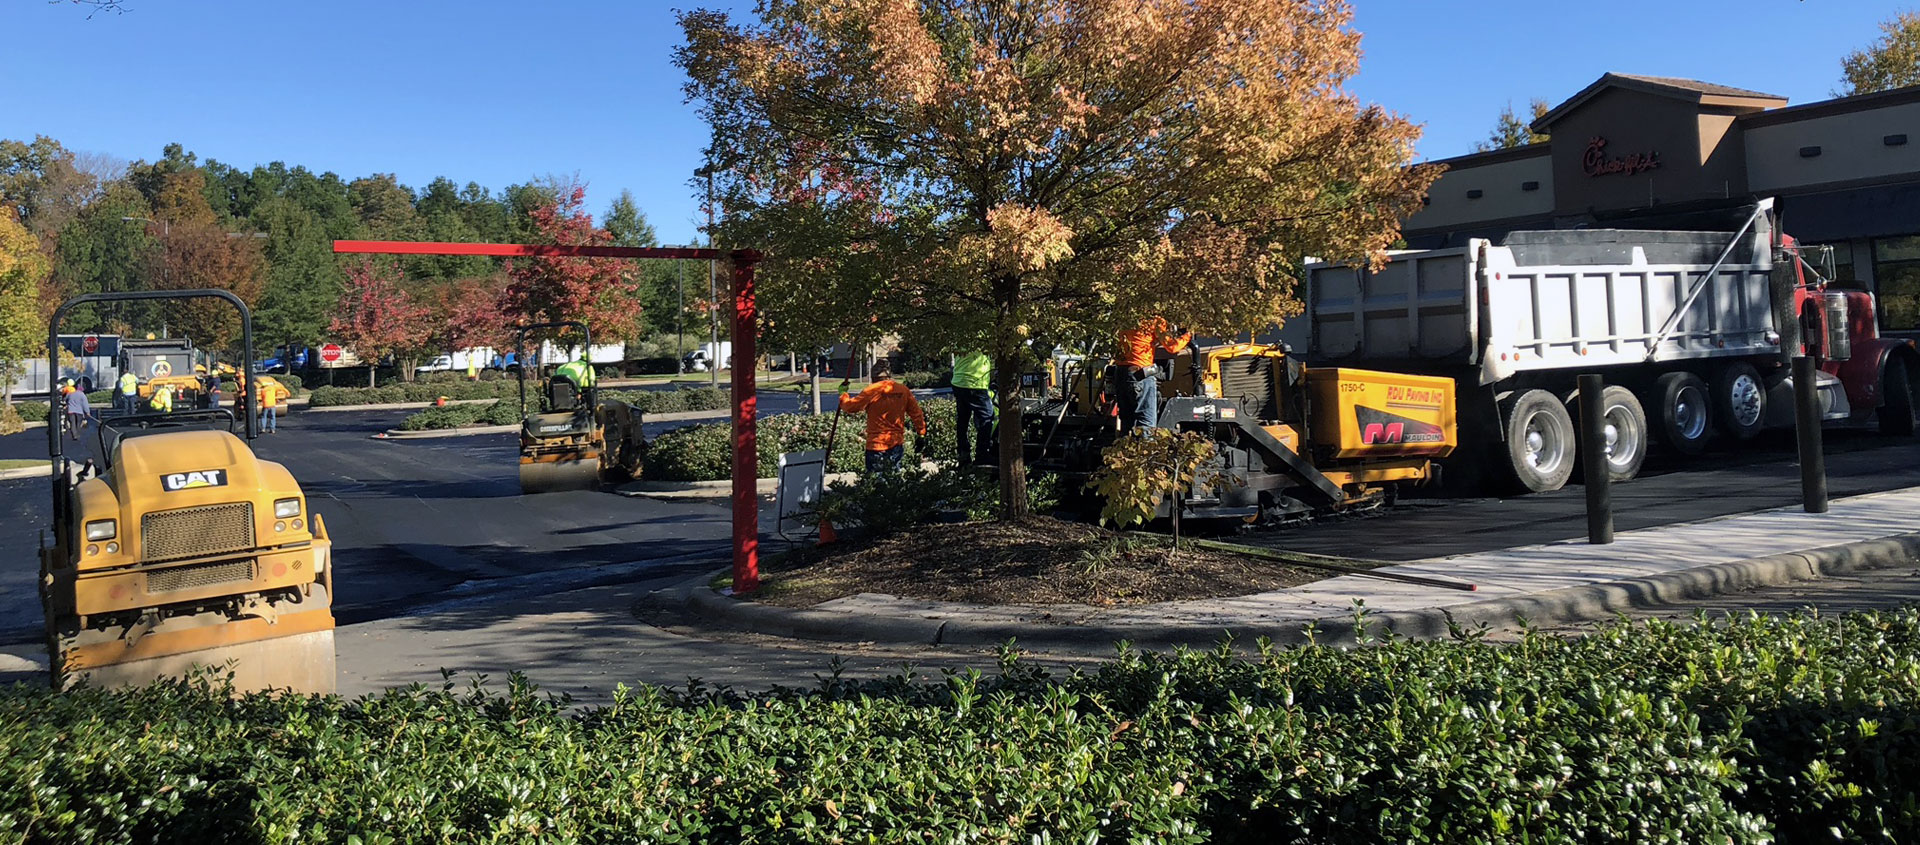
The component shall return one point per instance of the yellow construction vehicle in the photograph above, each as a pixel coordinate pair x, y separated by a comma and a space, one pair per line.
165, 361
573, 440
1289, 441
184, 550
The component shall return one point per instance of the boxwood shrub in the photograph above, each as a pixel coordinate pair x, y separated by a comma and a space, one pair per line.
1791, 729
31, 411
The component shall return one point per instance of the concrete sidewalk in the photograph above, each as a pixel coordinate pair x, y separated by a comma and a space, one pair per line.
1555, 582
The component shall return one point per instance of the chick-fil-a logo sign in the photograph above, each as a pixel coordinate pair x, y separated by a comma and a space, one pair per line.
1596, 163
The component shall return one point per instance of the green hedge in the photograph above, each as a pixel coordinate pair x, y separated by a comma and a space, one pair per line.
506, 411
31, 411
499, 412
1788, 730
325, 397
704, 452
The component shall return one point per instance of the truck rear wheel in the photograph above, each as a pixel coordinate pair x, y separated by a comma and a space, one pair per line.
1740, 401
1897, 410
1681, 408
1540, 441
1625, 429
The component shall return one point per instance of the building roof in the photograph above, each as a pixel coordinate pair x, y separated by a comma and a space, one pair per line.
1691, 90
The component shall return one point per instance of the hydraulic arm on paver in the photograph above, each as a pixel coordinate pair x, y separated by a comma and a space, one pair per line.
186, 551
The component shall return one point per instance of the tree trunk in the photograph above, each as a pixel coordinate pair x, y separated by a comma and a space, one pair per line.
1006, 386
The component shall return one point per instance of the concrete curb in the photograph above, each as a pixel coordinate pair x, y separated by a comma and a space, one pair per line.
722, 488
675, 416
391, 406
42, 471
1594, 602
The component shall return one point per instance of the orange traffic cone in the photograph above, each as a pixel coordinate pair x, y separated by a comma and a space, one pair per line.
440, 402
827, 534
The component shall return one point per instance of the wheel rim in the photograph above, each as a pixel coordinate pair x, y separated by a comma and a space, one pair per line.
1690, 413
1625, 437
1744, 397
1546, 443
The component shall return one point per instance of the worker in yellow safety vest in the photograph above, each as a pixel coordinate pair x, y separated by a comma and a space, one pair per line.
162, 401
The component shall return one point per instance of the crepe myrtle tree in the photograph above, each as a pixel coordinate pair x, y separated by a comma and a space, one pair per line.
998, 173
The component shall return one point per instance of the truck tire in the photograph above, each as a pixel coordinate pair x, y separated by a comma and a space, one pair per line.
1626, 432
1681, 408
1540, 441
1897, 408
1740, 401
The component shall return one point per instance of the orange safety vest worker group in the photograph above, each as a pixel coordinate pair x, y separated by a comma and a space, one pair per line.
887, 404
1133, 378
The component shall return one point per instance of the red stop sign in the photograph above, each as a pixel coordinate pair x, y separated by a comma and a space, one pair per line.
330, 353
90, 344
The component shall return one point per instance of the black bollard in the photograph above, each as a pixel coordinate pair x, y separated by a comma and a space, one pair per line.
1806, 425
1593, 458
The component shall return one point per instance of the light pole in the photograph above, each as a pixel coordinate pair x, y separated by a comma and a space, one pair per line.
713, 288
680, 320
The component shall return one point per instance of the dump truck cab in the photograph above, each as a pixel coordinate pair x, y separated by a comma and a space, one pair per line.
184, 550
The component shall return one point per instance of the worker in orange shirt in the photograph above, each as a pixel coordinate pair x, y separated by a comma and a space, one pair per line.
1133, 377
888, 404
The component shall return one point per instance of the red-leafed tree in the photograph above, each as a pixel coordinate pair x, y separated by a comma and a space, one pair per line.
604, 293
376, 317
467, 313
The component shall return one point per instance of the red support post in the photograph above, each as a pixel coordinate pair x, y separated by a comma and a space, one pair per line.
746, 461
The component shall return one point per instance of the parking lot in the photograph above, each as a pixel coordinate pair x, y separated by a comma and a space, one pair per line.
420, 522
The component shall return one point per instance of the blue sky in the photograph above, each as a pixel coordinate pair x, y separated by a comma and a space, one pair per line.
502, 92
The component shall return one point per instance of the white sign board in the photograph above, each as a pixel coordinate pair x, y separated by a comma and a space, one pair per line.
803, 475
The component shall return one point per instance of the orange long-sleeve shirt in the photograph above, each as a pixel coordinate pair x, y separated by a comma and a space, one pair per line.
1137, 344
888, 404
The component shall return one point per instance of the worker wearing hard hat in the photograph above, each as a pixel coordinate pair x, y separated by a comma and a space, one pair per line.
1132, 378
162, 401
578, 374
887, 404
77, 409
973, 408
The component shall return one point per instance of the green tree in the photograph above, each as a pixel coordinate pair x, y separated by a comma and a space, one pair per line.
1891, 62
303, 277
22, 268
100, 250
1510, 131
1001, 173
44, 182
627, 224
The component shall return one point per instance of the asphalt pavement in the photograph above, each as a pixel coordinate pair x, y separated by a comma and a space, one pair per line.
415, 521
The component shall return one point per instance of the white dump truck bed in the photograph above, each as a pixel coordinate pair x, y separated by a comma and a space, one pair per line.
1550, 300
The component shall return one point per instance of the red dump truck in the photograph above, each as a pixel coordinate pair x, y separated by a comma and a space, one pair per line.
1694, 332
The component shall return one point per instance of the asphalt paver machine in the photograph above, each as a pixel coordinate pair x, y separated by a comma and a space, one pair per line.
573, 439
1289, 442
184, 550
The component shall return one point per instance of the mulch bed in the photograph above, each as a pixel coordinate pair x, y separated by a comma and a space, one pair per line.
1037, 561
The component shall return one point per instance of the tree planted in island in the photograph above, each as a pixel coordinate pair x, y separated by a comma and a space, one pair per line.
1006, 175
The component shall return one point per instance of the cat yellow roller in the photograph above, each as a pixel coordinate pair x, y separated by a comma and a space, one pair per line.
573, 440
186, 550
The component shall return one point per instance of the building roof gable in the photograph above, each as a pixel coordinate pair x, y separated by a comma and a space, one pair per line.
1690, 90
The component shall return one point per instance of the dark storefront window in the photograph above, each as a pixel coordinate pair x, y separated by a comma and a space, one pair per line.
1896, 272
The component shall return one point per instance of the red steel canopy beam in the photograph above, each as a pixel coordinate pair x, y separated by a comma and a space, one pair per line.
515, 250
746, 498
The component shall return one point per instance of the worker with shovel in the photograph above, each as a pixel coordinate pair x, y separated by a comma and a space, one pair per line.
888, 404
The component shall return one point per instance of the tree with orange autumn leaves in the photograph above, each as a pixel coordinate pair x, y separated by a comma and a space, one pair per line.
998, 174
